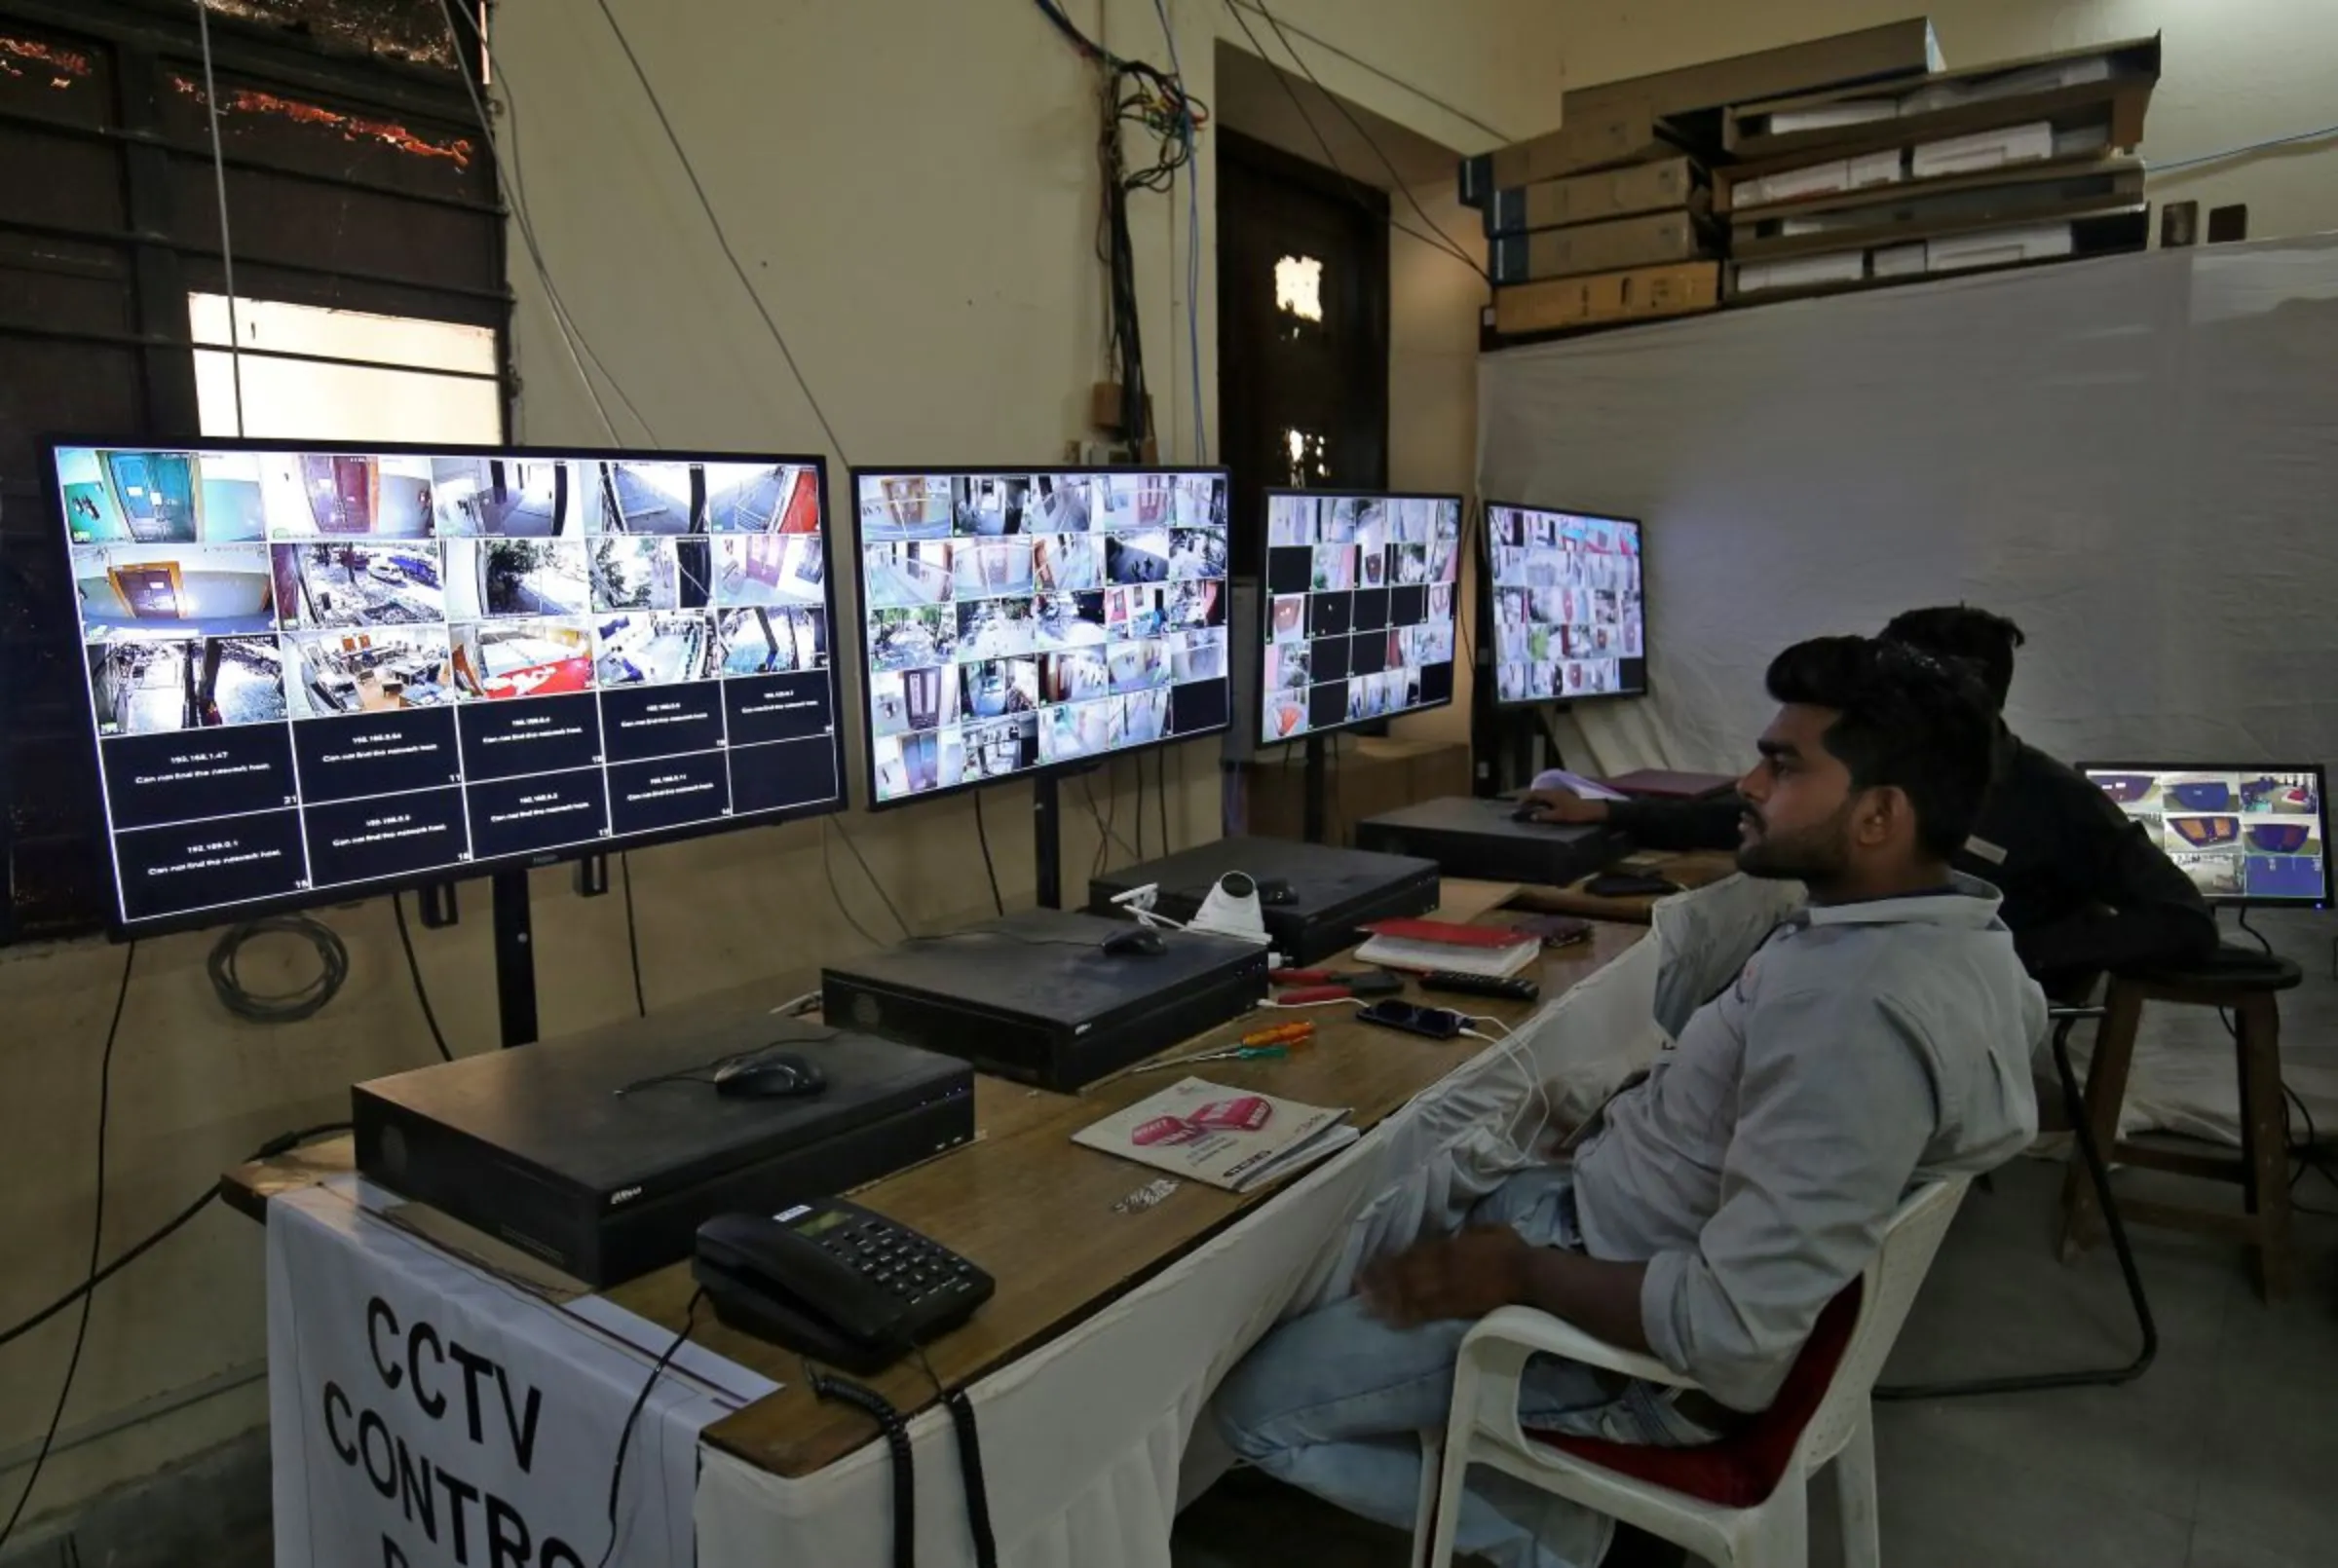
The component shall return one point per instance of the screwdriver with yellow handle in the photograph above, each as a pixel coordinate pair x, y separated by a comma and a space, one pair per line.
1280, 1041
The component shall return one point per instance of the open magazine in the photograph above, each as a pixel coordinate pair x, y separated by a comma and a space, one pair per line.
1234, 1139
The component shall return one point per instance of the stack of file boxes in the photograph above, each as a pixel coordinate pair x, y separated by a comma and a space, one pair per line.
1839, 164
1610, 219
1995, 165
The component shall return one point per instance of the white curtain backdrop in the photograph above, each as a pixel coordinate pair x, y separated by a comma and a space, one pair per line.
2135, 457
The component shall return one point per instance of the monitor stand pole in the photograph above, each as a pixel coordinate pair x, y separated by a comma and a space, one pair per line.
1047, 840
515, 957
1313, 823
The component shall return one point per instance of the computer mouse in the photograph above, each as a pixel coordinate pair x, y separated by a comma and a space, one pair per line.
1138, 941
769, 1075
1527, 811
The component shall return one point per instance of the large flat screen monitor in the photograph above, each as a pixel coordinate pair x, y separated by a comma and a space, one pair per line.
2251, 832
1359, 616
316, 671
1571, 609
1016, 620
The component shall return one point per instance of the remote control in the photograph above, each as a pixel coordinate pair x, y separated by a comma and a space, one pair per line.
1512, 990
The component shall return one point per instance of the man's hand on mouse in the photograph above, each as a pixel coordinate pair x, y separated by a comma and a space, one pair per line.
1566, 808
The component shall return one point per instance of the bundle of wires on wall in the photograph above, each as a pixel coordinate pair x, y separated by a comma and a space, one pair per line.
1157, 102
305, 1000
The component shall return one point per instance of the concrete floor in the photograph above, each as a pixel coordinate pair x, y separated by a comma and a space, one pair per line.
2224, 1455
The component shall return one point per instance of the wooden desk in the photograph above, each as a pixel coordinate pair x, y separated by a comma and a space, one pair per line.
1696, 869
1036, 1211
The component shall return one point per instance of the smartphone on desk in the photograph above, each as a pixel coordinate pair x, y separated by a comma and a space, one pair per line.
1434, 1023
834, 1282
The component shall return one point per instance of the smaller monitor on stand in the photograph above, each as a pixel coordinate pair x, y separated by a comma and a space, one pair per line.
1569, 616
1359, 617
2249, 834
1035, 622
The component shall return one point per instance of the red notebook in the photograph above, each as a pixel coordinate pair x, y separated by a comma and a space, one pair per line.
1497, 952
1665, 784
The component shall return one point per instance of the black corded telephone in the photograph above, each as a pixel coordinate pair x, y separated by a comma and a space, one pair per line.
835, 1282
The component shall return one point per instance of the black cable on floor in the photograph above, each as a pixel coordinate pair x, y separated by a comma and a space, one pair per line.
286, 1006
2090, 1152
405, 939
625, 1436
990, 867
81, 1334
624, 873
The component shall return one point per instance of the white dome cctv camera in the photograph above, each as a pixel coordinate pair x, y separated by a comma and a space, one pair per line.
1231, 910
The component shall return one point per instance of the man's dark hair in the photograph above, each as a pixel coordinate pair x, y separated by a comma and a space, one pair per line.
1907, 720
1985, 640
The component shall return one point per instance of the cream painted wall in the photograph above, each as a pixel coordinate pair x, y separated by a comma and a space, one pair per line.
912, 184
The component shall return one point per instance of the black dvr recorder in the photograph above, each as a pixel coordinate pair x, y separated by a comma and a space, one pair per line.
536, 1145
1472, 836
1328, 892
1035, 998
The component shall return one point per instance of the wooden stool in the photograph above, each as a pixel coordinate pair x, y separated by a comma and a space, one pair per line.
2248, 984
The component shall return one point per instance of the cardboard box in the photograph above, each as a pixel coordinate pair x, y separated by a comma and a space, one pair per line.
1744, 187
1981, 151
1832, 267
2075, 137
1857, 269
1596, 247
2000, 247
1894, 50
1929, 208
1644, 293
2109, 82
1629, 134
1616, 192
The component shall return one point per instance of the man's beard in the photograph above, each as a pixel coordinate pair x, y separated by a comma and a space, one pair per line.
1817, 855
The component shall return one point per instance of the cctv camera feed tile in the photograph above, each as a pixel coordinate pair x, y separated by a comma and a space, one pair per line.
2245, 835
1359, 610
1023, 620
1569, 616
402, 663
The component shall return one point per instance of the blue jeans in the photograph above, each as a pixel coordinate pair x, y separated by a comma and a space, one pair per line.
1335, 1402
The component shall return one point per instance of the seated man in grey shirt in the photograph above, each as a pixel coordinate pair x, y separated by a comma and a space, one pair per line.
1709, 1211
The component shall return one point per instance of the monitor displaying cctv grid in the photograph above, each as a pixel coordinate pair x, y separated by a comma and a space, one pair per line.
1570, 605
315, 671
1020, 619
1359, 612
2246, 834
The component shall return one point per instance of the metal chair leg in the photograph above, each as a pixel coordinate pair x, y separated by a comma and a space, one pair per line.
2098, 1172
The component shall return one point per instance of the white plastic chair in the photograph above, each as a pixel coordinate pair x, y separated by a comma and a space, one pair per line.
1774, 1533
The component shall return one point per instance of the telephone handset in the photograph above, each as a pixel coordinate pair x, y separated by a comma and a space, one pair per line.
835, 1282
